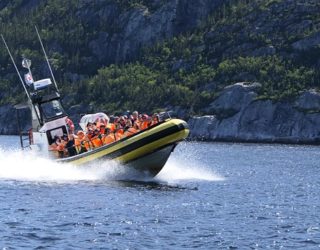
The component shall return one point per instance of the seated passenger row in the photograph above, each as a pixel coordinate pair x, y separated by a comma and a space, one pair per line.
101, 133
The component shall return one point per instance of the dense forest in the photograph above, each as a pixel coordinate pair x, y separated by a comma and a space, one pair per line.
110, 55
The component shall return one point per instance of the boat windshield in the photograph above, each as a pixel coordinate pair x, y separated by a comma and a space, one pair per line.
52, 109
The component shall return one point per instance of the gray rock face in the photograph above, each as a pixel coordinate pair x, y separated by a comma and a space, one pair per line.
259, 120
233, 99
140, 26
308, 101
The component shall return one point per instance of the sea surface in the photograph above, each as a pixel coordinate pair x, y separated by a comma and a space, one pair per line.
208, 196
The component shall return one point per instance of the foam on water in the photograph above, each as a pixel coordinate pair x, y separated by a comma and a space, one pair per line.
186, 164
25, 166
18, 165
178, 169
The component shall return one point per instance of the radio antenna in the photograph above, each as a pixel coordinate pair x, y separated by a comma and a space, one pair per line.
24, 86
45, 54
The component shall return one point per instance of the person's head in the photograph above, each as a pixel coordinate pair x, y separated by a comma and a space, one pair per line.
129, 123
102, 127
155, 117
135, 114
111, 119
89, 125
116, 119
80, 134
122, 120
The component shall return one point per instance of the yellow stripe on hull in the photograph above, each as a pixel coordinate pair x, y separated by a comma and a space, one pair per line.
151, 147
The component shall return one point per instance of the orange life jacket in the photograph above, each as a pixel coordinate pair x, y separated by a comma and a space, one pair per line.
61, 146
119, 134
81, 145
108, 139
130, 131
102, 130
97, 142
112, 127
144, 125
77, 144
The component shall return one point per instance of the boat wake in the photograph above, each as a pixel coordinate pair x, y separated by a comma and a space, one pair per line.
24, 166
179, 170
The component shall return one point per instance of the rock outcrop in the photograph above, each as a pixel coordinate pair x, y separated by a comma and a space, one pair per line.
238, 116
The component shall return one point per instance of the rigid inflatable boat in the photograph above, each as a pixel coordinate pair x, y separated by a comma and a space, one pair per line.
146, 151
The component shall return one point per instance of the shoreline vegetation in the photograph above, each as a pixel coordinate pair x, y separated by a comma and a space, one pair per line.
153, 56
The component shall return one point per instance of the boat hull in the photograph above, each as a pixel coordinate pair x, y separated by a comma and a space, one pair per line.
151, 164
147, 151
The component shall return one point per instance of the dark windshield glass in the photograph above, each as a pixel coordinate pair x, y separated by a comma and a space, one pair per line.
52, 109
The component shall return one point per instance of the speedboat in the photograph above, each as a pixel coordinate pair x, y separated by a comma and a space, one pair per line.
146, 151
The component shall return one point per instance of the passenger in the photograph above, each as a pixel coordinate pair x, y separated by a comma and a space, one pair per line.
70, 145
135, 116
155, 119
89, 128
92, 130
61, 146
95, 136
113, 126
118, 134
122, 121
102, 129
137, 122
80, 143
109, 137
54, 146
86, 142
129, 129
119, 124
136, 126
131, 119
145, 122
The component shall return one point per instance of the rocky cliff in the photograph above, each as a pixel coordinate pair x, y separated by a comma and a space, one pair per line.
141, 26
238, 115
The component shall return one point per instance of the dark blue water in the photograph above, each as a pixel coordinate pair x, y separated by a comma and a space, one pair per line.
209, 196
